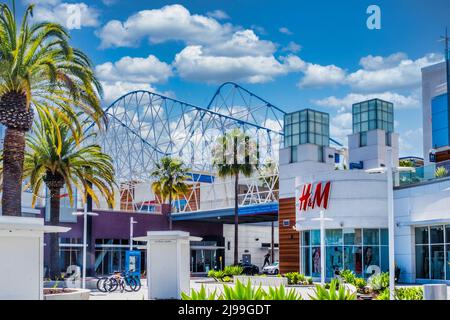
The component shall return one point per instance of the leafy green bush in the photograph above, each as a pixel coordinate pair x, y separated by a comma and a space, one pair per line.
348, 276
322, 293
297, 278
243, 292
199, 295
411, 293
379, 282
360, 283
217, 275
227, 279
233, 270
441, 172
281, 294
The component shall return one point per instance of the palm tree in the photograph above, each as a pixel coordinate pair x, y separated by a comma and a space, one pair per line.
235, 154
38, 69
55, 158
170, 176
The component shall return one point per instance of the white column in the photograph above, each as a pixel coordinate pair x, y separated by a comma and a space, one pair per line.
322, 248
391, 224
131, 233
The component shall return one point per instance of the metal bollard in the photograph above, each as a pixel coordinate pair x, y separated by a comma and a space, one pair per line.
435, 292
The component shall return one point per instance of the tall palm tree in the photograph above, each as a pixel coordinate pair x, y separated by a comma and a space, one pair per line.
235, 154
55, 158
170, 176
38, 69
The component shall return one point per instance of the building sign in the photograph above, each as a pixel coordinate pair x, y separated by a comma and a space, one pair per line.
313, 196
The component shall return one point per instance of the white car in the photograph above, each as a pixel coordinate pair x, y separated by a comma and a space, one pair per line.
271, 269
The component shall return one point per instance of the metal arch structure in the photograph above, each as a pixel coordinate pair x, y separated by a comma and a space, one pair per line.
144, 126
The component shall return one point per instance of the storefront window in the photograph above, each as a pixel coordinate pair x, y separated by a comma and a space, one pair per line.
315, 237
437, 234
422, 235
315, 261
371, 260
433, 257
334, 260
333, 236
371, 237
352, 236
422, 262
447, 260
358, 250
437, 262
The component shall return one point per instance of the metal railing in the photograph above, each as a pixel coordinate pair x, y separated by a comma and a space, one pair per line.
428, 173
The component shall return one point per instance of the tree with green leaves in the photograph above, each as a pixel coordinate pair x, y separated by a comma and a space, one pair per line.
55, 158
170, 176
235, 154
38, 69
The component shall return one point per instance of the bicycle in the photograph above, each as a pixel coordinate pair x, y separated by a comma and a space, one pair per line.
122, 280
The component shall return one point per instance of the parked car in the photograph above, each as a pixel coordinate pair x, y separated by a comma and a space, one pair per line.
272, 269
249, 269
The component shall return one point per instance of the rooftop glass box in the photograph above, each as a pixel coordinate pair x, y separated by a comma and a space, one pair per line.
373, 114
306, 126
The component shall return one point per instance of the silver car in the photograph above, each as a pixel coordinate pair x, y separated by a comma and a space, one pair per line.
272, 269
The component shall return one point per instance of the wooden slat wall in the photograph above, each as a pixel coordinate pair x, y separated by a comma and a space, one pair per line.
289, 239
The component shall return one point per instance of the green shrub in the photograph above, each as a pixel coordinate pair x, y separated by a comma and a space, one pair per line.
217, 275
441, 172
384, 295
411, 293
360, 283
348, 276
243, 292
281, 294
297, 278
379, 282
199, 295
233, 270
227, 279
322, 293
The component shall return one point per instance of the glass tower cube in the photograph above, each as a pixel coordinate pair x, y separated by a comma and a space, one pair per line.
306, 126
373, 114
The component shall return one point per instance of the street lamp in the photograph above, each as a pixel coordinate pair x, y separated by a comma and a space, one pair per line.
85, 213
389, 170
132, 222
322, 220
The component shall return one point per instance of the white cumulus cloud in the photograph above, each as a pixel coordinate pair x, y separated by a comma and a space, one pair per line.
71, 15
135, 69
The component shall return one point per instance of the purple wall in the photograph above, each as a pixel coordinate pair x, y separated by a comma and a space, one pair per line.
116, 225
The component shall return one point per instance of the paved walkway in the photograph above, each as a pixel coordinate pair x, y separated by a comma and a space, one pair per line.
195, 284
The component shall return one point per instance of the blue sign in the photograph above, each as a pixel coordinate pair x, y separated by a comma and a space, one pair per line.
133, 262
359, 165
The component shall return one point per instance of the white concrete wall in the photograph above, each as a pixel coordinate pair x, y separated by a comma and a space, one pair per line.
420, 205
357, 200
433, 84
374, 154
248, 233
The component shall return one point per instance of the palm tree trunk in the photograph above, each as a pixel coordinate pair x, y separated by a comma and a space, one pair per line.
13, 157
55, 271
169, 216
236, 219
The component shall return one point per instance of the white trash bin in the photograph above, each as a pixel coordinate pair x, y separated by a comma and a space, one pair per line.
435, 292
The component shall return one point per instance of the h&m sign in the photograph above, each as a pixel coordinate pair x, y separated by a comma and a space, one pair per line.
312, 196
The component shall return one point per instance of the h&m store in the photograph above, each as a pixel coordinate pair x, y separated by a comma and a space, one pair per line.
314, 177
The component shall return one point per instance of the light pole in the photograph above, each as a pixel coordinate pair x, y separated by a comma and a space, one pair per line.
389, 170
132, 222
322, 220
85, 213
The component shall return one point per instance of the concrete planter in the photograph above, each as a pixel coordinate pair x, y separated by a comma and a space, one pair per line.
68, 294
263, 281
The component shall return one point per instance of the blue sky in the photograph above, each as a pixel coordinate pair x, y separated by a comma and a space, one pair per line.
295, 54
